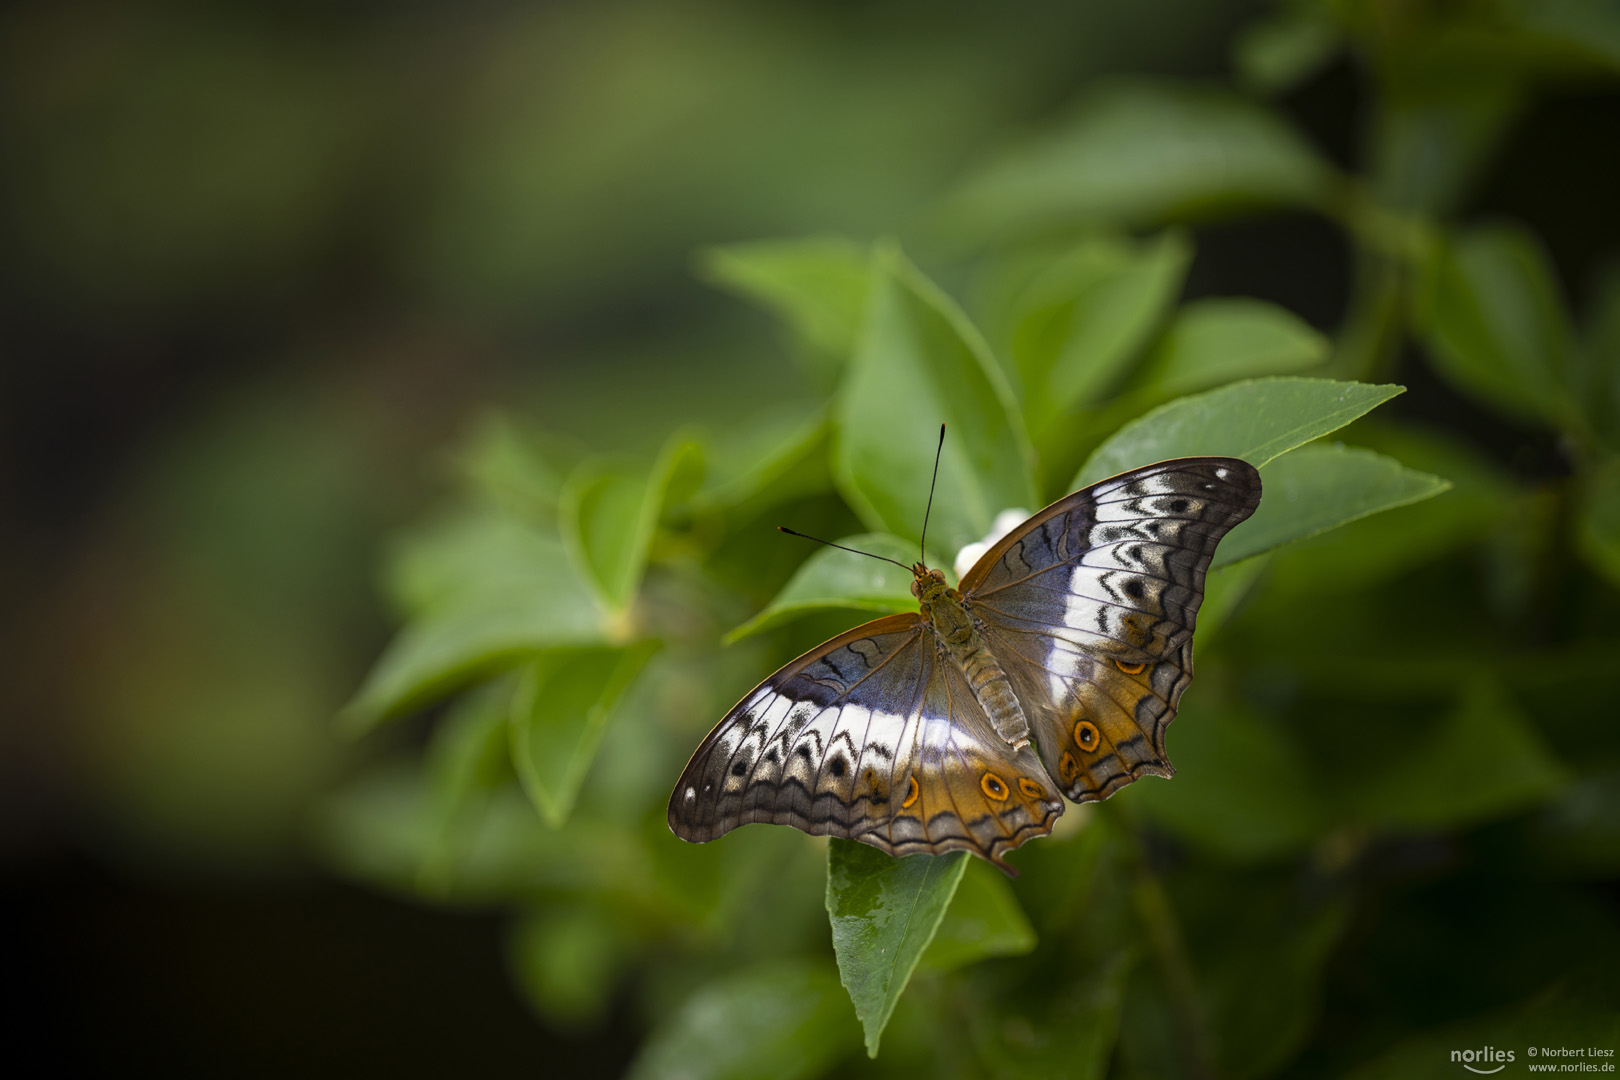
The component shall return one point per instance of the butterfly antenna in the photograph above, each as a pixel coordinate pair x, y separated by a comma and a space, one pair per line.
841, 547
923, 544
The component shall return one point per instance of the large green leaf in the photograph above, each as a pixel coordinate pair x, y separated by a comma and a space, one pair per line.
833, 579
609, 512
490, 596
1317, 488
563, 703
1496, 324
920, 362
884, 914
1080, 322
784, 1021
1141, 154
1218, 341
817, 285
984, 920
1255, 420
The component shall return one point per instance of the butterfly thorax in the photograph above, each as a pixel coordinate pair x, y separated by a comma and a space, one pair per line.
959, 639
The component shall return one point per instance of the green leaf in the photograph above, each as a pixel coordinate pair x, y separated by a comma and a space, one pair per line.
833, 579
566, 963
1142, 154
884, 913
564, 701
1262, 976
1496, 324
478, 618
984, 920
1212, 342
1069, 1032
466, 761
513, 467
1216, 802
1578, 1012
608, 516
1280, 52
1364, 552
1317, 488
920, 362
769, 459
1085, 317
818, 286
1255, 420
780, 1022
1597, 521
1484, 760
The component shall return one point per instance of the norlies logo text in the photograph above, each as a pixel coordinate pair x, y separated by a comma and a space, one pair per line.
1488, 1055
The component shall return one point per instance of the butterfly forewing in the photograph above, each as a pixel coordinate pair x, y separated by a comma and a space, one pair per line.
1091, 604
873, 736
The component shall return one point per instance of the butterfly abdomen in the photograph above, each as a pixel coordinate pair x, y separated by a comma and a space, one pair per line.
959, 638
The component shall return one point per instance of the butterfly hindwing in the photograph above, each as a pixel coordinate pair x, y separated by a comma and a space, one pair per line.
1091, 605
872, 736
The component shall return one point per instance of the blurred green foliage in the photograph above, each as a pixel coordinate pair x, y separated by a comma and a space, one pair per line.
1395, 827
1374, 688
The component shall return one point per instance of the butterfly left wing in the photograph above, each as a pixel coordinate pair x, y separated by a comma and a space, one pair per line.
1090, 606
874, 736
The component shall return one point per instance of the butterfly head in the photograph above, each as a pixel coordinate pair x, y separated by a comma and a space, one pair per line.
927, 584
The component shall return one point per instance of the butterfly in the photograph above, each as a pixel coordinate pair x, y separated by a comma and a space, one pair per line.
1071, 637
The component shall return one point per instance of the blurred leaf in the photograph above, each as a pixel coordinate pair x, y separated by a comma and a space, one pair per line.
566, 962
1598, 387
1580, 1011
563, 703
884, 914
466, 761
1218, 341
1597, 522
1278, 53
1444, 116
818, 286
780, 1022
1084, 318
833, 579
1256, 420
513, 468
1225, 590
777, 458
1483, 761
1262, 979
1070, 1033
984, 920
1496, 324
920, 362
1241, 790
463, 554
1142, 154
609, 514
479, 616
1590, 27
1317, 488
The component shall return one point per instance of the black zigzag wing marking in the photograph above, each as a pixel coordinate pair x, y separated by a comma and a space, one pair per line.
1098, 583
767, 758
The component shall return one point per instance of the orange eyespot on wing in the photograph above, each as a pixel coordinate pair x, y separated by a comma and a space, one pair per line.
1130, 669
1030, 788
1085, 736
994, 786
1068, 769
911, 794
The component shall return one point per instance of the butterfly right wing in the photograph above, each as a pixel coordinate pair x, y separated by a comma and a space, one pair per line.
873, 736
